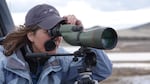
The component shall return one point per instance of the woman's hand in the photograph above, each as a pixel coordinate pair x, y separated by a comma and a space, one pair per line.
71, 19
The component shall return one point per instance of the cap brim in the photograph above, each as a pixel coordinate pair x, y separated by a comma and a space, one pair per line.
50, 22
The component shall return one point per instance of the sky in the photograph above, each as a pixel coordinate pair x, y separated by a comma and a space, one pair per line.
118, 14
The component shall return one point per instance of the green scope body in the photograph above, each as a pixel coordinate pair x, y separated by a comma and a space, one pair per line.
95, 37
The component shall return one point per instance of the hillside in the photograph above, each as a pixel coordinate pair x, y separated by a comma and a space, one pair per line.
135, 39
141, 31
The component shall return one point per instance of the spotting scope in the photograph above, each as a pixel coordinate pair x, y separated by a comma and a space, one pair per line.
95, 37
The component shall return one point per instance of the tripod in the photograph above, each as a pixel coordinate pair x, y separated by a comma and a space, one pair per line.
85, 72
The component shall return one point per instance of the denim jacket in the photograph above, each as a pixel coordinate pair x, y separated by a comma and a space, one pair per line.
57, 70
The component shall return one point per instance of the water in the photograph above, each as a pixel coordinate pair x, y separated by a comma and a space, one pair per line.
140, 56
131, 60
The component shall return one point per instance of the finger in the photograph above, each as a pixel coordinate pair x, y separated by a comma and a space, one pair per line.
65, 18
79, 23
71, 19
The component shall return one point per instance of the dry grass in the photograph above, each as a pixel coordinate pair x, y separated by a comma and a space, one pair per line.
119, 73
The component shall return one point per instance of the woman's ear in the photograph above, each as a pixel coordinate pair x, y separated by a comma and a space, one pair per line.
58, 41
30, 36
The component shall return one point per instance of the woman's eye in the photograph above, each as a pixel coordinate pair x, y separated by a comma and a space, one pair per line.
46, 31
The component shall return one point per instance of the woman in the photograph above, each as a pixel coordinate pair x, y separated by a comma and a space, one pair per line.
17, 68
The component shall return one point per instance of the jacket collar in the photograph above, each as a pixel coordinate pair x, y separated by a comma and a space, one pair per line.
16, 61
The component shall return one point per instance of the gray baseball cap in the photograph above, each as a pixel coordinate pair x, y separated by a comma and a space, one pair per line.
43, 15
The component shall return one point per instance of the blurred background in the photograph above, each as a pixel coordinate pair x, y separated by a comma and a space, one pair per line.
131, 56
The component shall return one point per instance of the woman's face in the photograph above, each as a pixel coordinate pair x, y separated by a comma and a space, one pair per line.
38, 40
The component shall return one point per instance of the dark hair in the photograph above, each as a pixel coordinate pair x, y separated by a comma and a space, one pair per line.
17, 38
